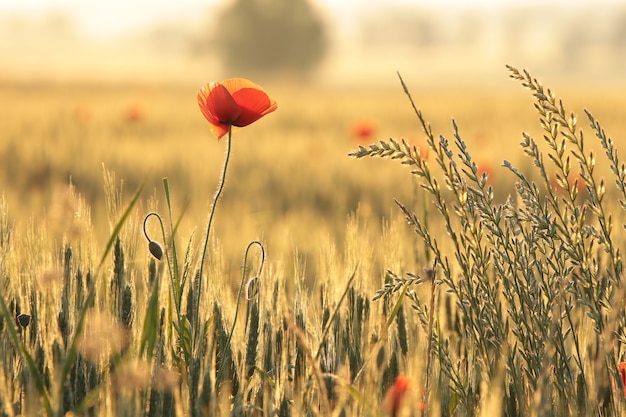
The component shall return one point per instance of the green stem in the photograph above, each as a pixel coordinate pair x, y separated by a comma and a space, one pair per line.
216, 197
241, 284
176, 289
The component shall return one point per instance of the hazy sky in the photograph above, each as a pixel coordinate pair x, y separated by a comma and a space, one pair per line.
102, 18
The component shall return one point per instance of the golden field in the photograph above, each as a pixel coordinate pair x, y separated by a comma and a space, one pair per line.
330, 229
290, 182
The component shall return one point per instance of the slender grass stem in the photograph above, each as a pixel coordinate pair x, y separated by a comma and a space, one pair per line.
431, 321
335, 312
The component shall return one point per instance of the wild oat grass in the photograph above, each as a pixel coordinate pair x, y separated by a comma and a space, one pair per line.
536, 280
513, 306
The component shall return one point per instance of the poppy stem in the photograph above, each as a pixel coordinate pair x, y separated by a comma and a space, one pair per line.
220, 371
216, 197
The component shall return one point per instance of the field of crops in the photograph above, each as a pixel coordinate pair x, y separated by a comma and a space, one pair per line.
316, 297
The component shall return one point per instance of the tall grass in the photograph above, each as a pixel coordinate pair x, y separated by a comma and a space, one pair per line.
513, 307
536, 281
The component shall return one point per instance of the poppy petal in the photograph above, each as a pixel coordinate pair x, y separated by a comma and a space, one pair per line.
251, 98
217, 104
236, 84
218, 130
254, 104
393, 398
218, 107
622, 372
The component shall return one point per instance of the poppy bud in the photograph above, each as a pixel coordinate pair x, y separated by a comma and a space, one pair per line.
155, 249
23, 320
253, 286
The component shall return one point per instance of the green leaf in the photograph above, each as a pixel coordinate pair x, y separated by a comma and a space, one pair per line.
151, 322
397, 306
177, 287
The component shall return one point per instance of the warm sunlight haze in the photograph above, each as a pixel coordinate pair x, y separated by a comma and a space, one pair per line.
307, 208
171, 41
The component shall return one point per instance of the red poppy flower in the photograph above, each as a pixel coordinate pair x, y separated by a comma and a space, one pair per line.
485, 167
622, 373
235, 102
393, 398
134, 113
576, 181
363, 130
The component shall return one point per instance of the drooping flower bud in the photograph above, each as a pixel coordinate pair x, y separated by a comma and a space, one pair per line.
23, 320
155, 249
253, 287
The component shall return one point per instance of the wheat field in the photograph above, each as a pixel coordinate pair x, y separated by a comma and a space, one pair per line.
92, 324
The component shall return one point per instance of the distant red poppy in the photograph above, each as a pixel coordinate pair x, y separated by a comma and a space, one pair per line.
134, 113
622, 373
486, 167
393, 398
363, 130
577, 181
421, 147
423, 152
234, 102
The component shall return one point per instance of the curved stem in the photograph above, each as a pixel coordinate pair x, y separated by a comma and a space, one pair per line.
243, 280
175, 285
145, 221
216, 197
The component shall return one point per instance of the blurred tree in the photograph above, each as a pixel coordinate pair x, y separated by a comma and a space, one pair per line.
271, 36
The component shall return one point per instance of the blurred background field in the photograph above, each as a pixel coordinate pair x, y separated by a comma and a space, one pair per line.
291, 182
90, 84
